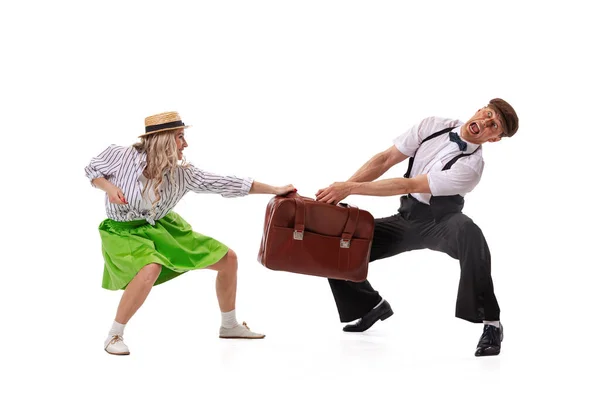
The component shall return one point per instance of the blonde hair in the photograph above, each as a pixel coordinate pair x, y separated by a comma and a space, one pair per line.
161, 158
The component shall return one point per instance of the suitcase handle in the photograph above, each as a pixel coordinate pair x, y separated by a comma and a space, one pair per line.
350, 225
349, 228
299, 222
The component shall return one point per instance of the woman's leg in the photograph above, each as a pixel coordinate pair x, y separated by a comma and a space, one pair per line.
136, 292
133, 297
226, 283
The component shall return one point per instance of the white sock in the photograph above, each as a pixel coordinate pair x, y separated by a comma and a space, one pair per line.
380, 303
493, 323
117, 329
228, 319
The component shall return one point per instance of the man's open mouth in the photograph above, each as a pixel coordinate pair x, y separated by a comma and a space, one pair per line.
474, 128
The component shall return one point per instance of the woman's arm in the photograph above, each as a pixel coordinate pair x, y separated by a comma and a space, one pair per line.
201, 181
115, 195
263, 188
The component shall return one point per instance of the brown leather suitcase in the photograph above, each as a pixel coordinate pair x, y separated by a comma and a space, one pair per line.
308, 237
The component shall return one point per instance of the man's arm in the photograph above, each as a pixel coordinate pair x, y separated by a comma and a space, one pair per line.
392, 187
378, 165
385, 187
362, 179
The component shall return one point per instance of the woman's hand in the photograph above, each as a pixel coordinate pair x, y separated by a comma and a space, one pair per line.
115, 195
282, 190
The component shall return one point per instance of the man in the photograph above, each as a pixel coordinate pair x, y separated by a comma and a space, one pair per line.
445, 163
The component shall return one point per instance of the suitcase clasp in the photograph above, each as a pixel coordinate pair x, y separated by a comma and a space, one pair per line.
298, 235
345, 243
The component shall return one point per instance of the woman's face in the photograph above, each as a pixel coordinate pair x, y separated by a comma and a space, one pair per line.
181, 143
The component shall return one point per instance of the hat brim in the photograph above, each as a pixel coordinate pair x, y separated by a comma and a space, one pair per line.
166, 129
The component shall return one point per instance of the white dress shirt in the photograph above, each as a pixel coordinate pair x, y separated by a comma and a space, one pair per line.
123, 166
435, 153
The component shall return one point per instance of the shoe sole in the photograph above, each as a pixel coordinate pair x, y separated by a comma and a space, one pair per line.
241, 337
492, 354
386, 315
117, 354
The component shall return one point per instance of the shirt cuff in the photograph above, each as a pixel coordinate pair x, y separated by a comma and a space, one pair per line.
432, 186
402, 149
93, 175
247, 185
242, 190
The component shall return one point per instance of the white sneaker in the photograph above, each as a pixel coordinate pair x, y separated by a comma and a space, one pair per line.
239, 332
114, 345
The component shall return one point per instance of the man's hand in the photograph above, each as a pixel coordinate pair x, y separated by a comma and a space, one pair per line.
335, 192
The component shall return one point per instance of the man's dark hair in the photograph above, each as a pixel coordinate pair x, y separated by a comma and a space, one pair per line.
508, 116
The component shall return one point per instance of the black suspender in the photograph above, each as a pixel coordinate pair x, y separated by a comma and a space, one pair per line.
455, 159
412, 159
448, 165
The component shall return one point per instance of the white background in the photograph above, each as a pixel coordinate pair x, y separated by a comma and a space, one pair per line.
303, 93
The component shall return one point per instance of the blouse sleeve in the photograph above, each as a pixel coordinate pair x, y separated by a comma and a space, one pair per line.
106, 164
200, 181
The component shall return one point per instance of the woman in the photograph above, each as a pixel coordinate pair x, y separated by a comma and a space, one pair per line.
144, 243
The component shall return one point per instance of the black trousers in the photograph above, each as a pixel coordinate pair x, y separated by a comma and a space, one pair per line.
414, 228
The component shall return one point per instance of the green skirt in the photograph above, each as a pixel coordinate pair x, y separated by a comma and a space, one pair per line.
129, 246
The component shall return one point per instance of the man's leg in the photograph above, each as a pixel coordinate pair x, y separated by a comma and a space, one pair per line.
459, 237
356, 299
353, 299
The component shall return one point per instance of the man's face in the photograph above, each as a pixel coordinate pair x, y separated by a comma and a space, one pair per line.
484, 126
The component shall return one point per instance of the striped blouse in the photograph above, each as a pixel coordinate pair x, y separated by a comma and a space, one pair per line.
123, 166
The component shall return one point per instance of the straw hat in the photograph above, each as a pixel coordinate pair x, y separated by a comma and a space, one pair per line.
163, 122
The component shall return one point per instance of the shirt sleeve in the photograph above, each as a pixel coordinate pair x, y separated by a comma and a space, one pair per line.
409, 141
200, 181
106, 164
459, 179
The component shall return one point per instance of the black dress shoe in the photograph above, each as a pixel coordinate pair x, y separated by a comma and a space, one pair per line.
383, 312
489, 343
